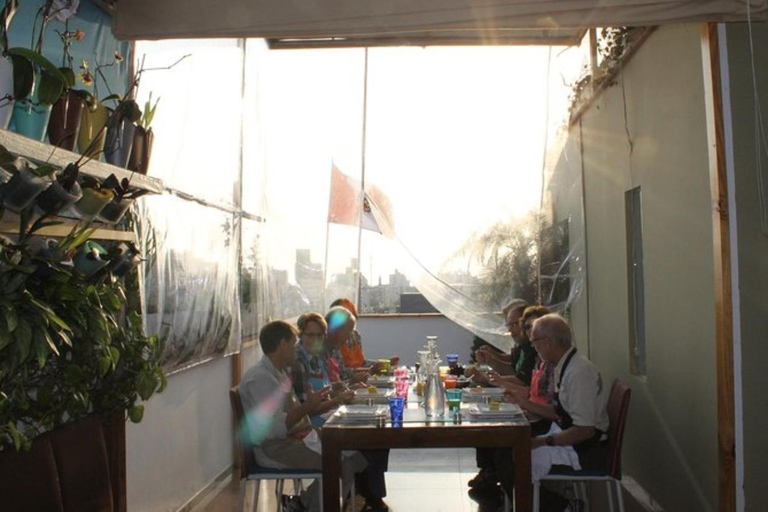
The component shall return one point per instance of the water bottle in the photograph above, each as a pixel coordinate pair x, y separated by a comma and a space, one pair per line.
434, 400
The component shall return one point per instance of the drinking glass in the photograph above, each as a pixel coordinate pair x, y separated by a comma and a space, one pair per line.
454, 399
396, 407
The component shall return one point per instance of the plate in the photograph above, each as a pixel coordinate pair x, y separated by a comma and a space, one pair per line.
505, 411
362, 412
381, 382
380, 392
484, 391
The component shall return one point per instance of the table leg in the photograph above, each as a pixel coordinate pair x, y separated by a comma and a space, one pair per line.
331, 476
523, 486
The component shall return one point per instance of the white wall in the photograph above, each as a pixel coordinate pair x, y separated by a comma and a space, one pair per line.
670, 446
184, 441
384, 336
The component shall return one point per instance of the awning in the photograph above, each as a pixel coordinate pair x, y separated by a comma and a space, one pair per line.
419, 22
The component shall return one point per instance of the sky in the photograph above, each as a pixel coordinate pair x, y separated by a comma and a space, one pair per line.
454, 136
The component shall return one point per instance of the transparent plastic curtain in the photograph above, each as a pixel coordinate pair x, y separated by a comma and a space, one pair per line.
304, 115
460, 144
480, 133
191, 234
190, 279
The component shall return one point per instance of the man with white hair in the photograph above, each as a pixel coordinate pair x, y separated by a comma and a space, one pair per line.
578, 412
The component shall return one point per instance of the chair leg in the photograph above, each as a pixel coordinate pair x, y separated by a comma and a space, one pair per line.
609, 493
257, 485
241, 501
536, 496
582, 486
619, 495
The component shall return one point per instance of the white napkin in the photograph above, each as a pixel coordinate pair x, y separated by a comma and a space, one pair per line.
544, 457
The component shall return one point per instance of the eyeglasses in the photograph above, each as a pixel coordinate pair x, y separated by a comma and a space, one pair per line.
313, 335
534, 340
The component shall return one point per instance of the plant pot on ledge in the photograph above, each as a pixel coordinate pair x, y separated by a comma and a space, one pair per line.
142, 150
64, 123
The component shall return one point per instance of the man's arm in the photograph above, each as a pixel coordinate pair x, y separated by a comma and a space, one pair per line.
310, 407
519, 395
568, 437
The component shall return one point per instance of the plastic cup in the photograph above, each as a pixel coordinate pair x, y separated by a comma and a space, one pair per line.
451, 381
384, 364
401, 388
454, 399
396, 407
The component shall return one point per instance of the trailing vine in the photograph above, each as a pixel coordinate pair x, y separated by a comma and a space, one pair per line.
613, 44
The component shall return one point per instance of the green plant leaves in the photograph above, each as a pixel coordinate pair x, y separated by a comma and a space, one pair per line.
15, 434
23, 77
136, 413
11, 320
145, 385
52, 80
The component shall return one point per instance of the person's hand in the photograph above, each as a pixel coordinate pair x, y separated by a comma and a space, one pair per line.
377, 367
359, 377
538, 442
394, 361
516, 395
481, 355
480, 378
346, 397
314, 399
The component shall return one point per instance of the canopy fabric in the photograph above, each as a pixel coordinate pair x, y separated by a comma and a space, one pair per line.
418, 20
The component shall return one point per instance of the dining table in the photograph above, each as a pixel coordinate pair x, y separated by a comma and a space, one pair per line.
453, 429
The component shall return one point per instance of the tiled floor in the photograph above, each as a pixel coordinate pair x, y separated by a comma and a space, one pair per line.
429, 480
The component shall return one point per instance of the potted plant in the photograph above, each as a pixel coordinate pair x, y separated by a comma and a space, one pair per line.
68, 352
63, 192
122, 201
38, 84
142, 141
6, 64
94, 198
121, 132
26, 183
67, 112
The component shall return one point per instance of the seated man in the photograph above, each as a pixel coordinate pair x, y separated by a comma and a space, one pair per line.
519, 369
578, 409
278, 424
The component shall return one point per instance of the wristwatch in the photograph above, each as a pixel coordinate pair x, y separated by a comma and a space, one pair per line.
550, 440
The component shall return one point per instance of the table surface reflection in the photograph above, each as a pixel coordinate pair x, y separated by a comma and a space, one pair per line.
419, 431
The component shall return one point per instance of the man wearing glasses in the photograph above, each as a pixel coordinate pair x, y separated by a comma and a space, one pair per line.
578, 410
516, 368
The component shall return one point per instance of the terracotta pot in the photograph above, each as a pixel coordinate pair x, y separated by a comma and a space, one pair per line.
142, 150
64, 124
90, 129
119, 141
